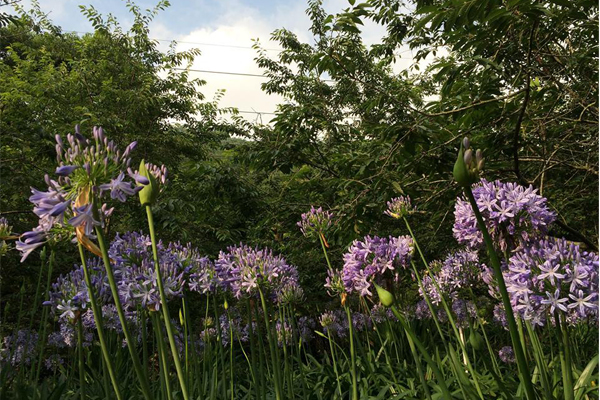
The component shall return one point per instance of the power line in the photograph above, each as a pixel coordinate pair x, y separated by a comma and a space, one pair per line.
196, 43
232, 73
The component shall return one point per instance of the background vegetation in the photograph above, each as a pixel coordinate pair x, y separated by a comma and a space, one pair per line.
519, 77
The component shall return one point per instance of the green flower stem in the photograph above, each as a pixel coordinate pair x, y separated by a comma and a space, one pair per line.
99, 324
230, 353
162, 354
44, 321
272, 347
219, 345
261, 358
409, 332
325, 252
144, 341
415, 355
80, 358
137, 366
565, 356
252, 351
510, 318
165, 307
333, 359
352, 355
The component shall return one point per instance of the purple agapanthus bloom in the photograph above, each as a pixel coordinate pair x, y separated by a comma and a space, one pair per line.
553, 275
119, 189
507, 355
29, 241
19, 348
399, 207
134, 263
513, 215
87, 169
374, 258
243, 270
334, 283
459, 272
84, 215
315, 222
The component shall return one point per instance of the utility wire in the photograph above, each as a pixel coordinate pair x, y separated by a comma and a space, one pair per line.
232, 73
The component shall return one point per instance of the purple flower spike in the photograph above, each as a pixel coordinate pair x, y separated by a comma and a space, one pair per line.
315, 222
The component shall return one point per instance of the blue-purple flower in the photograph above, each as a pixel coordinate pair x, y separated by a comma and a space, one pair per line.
553, 276
373, 259
243, 270
513, 215
315, 222
399, 207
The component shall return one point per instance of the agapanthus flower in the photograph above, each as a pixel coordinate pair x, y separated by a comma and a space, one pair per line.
315, 222
54, 362
17, 349
87, 170
373, 259
134, 262
243, 270
203, 276
5, 228
69, 295
336, 322
507, 355
513, 215
459, 272
380, 314
399, 207
334, 283
553, 275
306, 327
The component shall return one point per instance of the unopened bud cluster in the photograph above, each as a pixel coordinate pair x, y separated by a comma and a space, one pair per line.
468, 164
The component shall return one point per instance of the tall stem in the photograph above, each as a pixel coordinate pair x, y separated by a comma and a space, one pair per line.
165, 308
162, 353
80, 358
510, 318
352, 355
137, 366
99, 325
272, 347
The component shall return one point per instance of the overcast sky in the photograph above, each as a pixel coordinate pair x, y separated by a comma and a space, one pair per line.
211, 26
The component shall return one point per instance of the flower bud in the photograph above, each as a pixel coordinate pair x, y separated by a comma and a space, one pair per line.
465, 142
226, 305
150, 191
468, 157
461, 175
476, 340
386, 298
478, 156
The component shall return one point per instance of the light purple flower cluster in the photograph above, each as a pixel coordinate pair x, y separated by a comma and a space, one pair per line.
513, 215
399, 207
367, 261
507, 355
459, 272
137, 274
86, 169
243, 270
69, 296
553, 275
17, 349
336, 322
315, 222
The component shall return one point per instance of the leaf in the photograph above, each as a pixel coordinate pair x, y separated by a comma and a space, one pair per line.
585, 378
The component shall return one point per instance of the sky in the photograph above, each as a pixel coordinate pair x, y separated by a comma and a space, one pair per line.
224, 31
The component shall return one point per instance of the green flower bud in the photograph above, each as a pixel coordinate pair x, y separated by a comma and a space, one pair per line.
226, 305
460, 172
476, 340
150, 191
386, 298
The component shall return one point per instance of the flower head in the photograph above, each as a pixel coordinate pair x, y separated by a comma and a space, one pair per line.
553, 275
373, 259
513, 215
399, 207
315, 222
